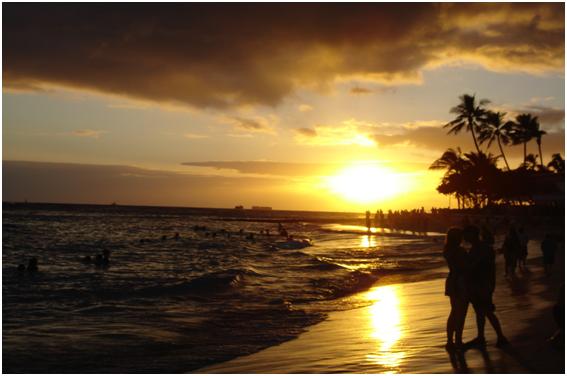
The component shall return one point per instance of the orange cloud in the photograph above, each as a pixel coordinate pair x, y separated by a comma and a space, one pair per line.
348, 132
91, 133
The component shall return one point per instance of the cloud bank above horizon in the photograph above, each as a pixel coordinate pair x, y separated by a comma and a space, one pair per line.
230, 55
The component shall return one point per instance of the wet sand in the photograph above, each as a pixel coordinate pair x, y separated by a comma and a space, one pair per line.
403, 331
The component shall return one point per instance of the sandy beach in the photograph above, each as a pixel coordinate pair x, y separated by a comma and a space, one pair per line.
403, 331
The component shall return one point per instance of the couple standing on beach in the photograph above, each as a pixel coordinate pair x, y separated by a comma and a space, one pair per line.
471, 279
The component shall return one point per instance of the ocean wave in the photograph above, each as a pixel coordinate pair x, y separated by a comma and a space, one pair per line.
353, 282
323, 264
209, 283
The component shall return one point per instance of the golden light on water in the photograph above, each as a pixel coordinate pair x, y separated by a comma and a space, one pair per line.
363, 183
368, 241
385, 327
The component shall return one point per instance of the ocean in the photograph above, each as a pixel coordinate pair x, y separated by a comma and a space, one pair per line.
164, 304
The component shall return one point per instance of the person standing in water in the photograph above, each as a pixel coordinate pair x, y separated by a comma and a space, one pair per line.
455, 287
480, 283
368, 222
548, 248
511, 248
523, 254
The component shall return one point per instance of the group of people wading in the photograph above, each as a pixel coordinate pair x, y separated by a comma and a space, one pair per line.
471, 280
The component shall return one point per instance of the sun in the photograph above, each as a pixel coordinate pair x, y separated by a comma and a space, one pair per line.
365, 183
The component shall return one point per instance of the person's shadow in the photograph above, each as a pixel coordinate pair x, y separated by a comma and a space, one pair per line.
458, 361
488, 367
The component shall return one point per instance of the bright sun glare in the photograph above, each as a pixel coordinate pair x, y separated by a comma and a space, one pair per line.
386, 326
366, 183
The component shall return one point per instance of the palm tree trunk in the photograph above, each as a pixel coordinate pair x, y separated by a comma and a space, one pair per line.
540, 155
502, 152
525, 150
474, 139
471, 127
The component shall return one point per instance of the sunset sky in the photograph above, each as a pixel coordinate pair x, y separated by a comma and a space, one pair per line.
317, 107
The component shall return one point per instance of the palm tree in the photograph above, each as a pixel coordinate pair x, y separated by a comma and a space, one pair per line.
470, 177
537, 134
450, 160
453, 162
469, 115
557, 164
494, 128
482, 174
523, 130
530, 162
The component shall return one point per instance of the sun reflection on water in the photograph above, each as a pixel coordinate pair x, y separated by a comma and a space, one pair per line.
368, 241
385, 327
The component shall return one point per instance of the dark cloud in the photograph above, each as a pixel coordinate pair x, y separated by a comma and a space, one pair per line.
100, 184
294, 169
84, 183
360, 90
307, 132
270, 168
436, 138
248, 124
548, 116
220, 55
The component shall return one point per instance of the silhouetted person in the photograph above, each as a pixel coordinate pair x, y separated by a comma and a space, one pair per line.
32, 265
105, 258
282, 230
558, 339
98, 261
486, 235
481, 281
548, 248
511, 249
368, 223
523, 249
455, 287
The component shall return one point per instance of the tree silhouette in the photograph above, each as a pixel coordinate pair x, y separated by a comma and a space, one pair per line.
523, 130
451, 160
469, 116
530, 163
475, 179
557, 164
471, 177
494, 128
538, 134
452, 182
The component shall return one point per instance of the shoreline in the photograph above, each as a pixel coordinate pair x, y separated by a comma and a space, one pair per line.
410, 337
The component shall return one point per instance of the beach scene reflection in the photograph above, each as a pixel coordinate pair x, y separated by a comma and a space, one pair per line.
386, 327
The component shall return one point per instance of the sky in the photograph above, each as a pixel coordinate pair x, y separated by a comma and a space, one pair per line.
333, 107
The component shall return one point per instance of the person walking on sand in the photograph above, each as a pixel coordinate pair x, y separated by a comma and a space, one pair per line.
511, 250
523, 254
480, 282
455, 288
548, 248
